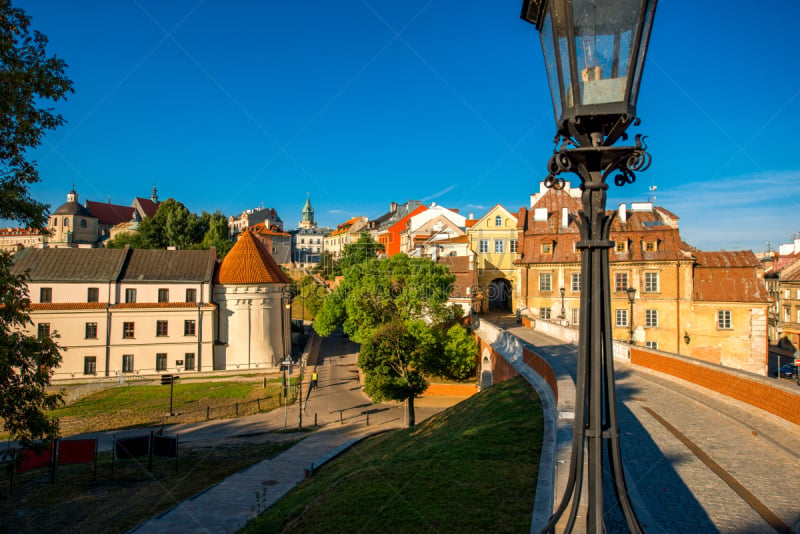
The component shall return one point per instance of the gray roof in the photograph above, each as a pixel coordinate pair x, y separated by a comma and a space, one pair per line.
170, 265
70, 264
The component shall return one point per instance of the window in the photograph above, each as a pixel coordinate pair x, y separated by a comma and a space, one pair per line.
127, 363
544, 313
651, 318
576, 316
724, 319
189, 327
651, 282
513, 246
161, 361
649, 246
161, 328
621, 318
498, 221
130, 295
651, 345
93, 295
163, 295
576, 283
188, 361
46, 294
545, 282
620, 246
483, 245
89, 365
191, 295
127, 330
798, 294
83, 223
547, 248
43, 330
66, 221
620, 282
499, 245
787, 314
91, 330
787, 293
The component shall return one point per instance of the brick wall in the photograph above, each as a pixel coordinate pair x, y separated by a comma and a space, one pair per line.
755, 391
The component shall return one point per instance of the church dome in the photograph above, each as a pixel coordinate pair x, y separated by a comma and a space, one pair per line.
249, 262
72, 207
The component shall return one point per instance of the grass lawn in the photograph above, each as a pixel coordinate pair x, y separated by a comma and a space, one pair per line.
471, 468
79, 503
138, 405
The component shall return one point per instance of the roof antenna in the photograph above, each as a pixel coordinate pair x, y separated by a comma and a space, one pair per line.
653, 192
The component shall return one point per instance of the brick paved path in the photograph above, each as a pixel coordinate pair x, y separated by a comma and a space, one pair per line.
697, 461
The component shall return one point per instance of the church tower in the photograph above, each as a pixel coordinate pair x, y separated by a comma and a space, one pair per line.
308, 215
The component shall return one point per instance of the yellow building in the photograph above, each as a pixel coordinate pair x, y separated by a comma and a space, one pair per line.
708, 305
494, 240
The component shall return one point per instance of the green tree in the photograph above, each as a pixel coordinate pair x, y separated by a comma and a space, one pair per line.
29, 79
460, 351
309, 295
394, 362
374, 292
215, 233
359, 252
328, 267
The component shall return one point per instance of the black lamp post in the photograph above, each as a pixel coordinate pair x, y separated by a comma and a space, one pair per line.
563, 309
594, 52
631, 295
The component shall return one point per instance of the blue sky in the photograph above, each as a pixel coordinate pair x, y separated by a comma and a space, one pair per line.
229, 105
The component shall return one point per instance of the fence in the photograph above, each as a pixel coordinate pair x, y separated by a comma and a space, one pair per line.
187, 413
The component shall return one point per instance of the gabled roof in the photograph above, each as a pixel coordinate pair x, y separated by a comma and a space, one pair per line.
110, 214
249, 262
70, 264
261, 229
147, 206
728, 277
169, 265
491, 213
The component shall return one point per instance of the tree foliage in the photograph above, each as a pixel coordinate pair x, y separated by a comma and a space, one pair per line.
29, 80
309, 295
374, 292
173, 225
393, 361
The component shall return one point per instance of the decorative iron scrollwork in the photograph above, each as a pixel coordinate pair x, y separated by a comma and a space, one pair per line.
626, 161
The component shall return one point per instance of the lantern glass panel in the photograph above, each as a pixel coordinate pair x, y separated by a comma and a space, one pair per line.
551, 63
603, 45
637, 67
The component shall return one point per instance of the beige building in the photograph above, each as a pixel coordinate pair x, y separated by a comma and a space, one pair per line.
708, 305
123, 312
345, 234
72, 225
494, 240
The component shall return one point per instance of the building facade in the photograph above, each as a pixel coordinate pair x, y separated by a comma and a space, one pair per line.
717, 301
308, 239
345, 234
494, 240
121, 312
251, 217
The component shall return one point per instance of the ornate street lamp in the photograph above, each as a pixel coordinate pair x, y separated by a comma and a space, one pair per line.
631, 295
594, 52
563, 309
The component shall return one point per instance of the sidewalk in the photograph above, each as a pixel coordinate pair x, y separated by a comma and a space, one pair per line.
345, 415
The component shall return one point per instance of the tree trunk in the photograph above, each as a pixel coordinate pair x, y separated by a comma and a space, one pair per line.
411, 419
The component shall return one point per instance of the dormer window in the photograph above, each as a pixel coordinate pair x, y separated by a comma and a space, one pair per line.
498, 221
547, 248
621, 246
650, 246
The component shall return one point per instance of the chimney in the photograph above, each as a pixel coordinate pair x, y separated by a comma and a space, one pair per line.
564, 217
470, 216
623, 213
393, 207
540, 214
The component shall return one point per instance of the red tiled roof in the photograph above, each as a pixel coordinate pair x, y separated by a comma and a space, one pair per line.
21, 232
261, 229
728, 277
110, 214
249, 262
148, 206
469, 223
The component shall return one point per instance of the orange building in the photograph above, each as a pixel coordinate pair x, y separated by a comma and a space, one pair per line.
390, 239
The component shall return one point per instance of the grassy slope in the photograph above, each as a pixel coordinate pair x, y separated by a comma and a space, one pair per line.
472, 468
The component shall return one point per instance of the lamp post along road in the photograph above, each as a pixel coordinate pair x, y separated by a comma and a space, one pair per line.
594, 52
631, 296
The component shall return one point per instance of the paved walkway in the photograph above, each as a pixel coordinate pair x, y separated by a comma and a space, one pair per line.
345, 414
695, 461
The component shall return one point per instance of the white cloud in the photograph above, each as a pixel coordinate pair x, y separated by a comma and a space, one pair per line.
440, 193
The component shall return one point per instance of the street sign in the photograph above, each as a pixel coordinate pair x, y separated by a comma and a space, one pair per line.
166, 380
797, 362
